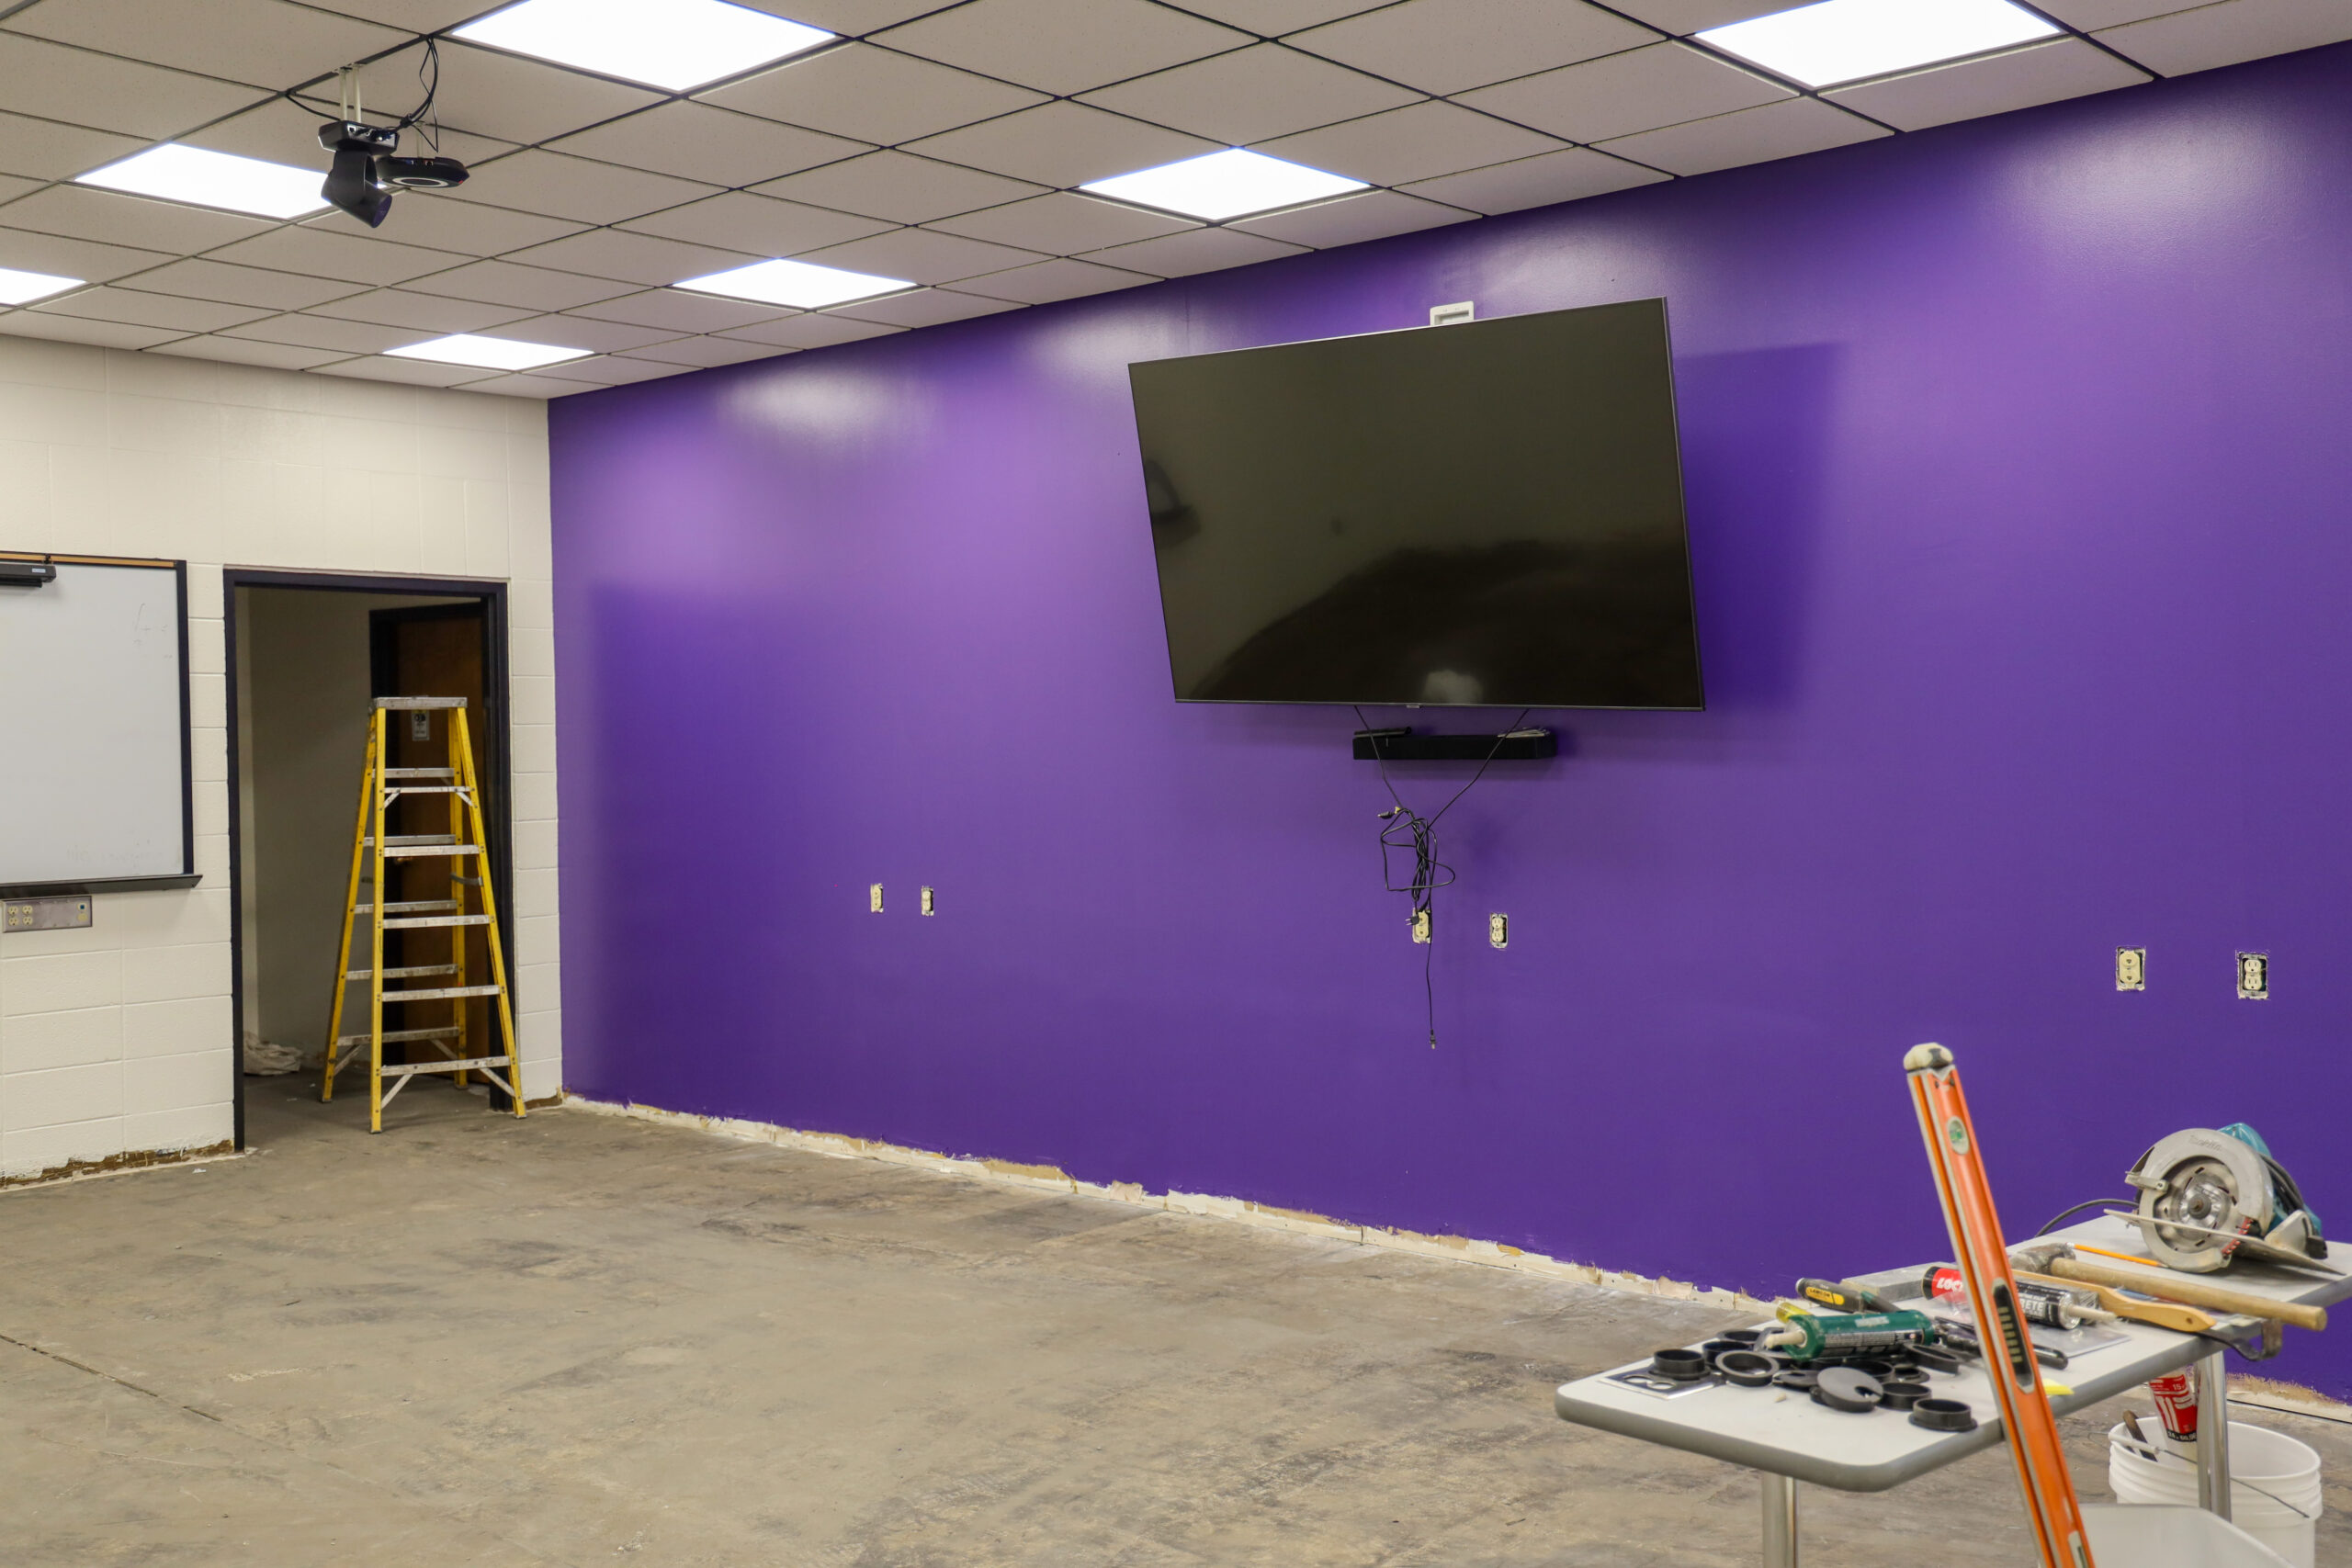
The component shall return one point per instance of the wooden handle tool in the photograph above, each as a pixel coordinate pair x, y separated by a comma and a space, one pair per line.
2182, 1288
2156, 1315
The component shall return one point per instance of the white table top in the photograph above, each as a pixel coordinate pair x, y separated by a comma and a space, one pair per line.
1782, 1430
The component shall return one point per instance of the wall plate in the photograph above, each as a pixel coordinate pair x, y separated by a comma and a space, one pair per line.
874, 898
930, 904
2253, 976
46, 914
2131, 968
1498, 931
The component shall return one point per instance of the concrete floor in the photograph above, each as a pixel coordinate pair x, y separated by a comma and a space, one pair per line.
578, 1340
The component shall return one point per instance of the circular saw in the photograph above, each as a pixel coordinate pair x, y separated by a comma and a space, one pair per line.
2209, 1195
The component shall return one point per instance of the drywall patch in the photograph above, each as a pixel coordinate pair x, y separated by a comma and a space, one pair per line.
1266, 1216
115, 1164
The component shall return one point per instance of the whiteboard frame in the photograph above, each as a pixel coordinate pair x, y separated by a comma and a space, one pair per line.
188, 875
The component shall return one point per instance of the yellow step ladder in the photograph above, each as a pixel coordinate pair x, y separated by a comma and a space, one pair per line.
373, 848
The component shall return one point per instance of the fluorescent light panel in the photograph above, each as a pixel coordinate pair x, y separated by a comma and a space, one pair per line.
1846, 40
205, 178
675, 44
489, 352
803, 285
1231, 183
24, 288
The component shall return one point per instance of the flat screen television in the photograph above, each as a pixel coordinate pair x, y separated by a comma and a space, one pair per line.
1484, 515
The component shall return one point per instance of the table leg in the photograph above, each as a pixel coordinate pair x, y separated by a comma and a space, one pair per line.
1780, 1521
2214, 1435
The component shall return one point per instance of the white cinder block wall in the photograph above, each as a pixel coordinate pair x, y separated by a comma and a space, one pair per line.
118, 1039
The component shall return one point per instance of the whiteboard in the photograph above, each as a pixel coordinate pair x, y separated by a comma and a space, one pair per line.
93, 742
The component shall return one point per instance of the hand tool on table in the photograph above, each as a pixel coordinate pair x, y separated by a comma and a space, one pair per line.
1841, 1297
2208, 1195
2009, 1366
2057, 1261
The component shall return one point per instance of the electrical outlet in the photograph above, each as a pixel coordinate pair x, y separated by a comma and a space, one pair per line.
2131, 968
2253, 976
1421, 925
1454, 314
873, 899
930, 904
1498, 932
46, 914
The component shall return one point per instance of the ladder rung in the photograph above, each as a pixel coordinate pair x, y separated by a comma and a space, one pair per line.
445, 991
453, 1066
410, 906
415, 972
447, 1031
398, 852
420, 773
391, 840
425, 789
436, 920
410, 702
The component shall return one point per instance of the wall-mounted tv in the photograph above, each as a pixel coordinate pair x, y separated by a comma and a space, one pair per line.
1482, 515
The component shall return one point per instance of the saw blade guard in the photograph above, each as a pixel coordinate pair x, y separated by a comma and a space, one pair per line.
2203, 1179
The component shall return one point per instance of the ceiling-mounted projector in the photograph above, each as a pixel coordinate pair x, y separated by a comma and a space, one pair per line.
366, 172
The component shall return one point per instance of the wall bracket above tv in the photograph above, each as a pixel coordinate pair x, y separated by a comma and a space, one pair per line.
1404, 746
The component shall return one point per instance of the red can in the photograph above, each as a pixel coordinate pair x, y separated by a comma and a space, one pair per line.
2176, 1397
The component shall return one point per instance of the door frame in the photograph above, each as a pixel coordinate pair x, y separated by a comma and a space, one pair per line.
495, 692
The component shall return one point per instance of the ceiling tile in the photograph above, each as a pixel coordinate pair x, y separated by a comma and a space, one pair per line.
1274, 17
410, 372
45, 149
1568, 175
1373, 215
82, 213
1049, 280
1202, 250
2231, 33
1749, 136
758, 225
638, 258
86, 259
678, 310
508, 283
287, 132
82, 88
707, 351
1415, 143
411, 16
899, 186
151, 309
1446, 46
697, 142
924, 308
1063, 144
2090, 15
474, 227
266, 42
527, 387
1062, 46
320, 332
248, 351
605, 371
578, 332
1063, 223
845, 17
426, 312
499, 95
75, 328
922, 255
1252, 93
258, 287
325, 253
871, 94
575, 188
15, 186
1683, 17
811, 332
2065, 68
1620, 94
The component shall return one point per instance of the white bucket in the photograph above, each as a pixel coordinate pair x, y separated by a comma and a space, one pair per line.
2274, 1485
2169, 1536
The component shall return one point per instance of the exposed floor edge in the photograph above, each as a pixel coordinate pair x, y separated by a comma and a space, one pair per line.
119, 1165
2286, 1398
1049, 1179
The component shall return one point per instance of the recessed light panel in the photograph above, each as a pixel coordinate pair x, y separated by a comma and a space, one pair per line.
205, 178
675, 44
1846, 40
803, 285
24, 288
1231, 183
489, 352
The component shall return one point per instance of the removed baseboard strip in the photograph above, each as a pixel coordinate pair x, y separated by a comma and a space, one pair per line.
1051, 1179
119, 1165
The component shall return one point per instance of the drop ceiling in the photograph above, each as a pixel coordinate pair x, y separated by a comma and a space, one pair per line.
939, 143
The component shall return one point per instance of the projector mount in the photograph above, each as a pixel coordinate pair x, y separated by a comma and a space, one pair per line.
365, 171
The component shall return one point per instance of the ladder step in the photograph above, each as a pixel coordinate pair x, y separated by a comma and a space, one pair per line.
442, 993
422, 920
410, 906
420, 773
397, 852
425, 789
392, 1035
455, 1066
410, 702
413, 973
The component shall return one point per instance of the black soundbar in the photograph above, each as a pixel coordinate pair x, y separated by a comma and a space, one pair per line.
1404, 746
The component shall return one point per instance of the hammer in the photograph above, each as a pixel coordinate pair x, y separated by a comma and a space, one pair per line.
2058, 1259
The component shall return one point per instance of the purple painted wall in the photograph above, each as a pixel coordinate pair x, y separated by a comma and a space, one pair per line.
2017, 459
